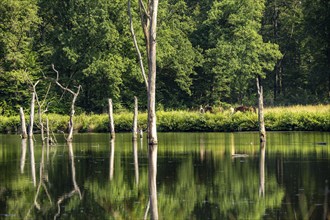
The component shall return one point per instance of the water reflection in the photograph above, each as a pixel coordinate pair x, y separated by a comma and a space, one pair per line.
32, 161
152, 180
111, 158
326, 215
202, 147
75, 190
195, 178
43, 177
23, 155
262, 169
136, 161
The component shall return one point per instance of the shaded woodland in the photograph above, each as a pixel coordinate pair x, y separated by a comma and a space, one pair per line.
208, 53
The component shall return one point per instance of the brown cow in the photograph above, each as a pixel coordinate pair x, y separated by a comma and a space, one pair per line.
243, 108
208, 109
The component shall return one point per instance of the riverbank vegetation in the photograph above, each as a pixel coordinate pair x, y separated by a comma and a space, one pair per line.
295, 118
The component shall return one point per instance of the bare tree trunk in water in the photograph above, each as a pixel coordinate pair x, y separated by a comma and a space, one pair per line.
32, 115
152, 180
152, 129
23, 124
149, 25
262, 169
262, 130
135, 119
75, 96
111, 123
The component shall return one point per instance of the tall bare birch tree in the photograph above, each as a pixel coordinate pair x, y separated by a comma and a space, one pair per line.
148, 15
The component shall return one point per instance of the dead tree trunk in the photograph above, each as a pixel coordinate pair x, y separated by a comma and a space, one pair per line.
262, 129
32, 115
136, 45
23, 124
135, 119
75, 95
41, 124
111, 123
74, 99
149, 26
152, 129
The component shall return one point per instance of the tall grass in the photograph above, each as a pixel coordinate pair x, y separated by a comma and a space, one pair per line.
294, 118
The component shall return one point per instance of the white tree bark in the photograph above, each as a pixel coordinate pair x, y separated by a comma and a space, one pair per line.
135, 119
136, 45
111, 121
23, 124
32, 114
152, 129
149, 25
72, 112
262, 129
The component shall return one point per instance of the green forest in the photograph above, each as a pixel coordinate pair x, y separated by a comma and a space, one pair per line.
209, 52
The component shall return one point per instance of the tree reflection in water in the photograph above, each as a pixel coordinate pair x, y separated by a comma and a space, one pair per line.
198, 179
23, 155
136, 161
262, 169
111, 158
152, 180
76, 189
32, 161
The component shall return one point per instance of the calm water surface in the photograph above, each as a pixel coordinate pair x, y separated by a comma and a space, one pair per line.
199, 176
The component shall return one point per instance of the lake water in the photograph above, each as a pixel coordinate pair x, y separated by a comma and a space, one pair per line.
199, 176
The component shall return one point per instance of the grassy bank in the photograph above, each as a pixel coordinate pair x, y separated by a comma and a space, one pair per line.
295, 118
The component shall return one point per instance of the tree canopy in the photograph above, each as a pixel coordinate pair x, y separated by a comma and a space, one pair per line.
209, 52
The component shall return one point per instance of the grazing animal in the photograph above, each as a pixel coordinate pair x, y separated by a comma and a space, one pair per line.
208, 109
243, 108
232, 110
201, 110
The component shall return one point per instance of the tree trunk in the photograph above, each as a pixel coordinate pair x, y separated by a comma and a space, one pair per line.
75, 95
111, 123
152, 130
32, 115
135, 119
262, 130
23, 124
41, 125
47, 133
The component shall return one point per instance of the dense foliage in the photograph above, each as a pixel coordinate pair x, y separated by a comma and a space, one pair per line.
209, 52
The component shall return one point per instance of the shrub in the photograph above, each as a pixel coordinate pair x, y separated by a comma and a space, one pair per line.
276, 119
